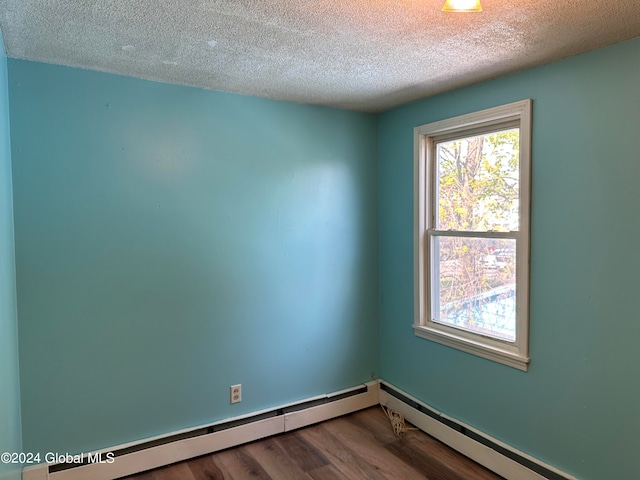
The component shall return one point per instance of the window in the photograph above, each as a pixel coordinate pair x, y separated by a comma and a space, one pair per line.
472, 232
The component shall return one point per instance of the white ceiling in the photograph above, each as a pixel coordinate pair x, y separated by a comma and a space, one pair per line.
367, 55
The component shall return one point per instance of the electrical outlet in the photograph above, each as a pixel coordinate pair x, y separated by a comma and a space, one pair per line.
236, 393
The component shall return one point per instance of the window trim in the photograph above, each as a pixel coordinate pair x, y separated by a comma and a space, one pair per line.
514, 354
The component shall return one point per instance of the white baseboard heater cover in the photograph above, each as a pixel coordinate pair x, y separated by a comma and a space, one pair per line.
142, 456
483, 449
157, 452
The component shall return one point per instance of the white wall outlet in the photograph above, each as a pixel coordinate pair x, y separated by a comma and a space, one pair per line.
236, 393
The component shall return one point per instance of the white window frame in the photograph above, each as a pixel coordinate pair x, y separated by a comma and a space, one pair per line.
514, 354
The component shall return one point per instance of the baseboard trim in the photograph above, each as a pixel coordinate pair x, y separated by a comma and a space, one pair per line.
179, 446
152, 453
489, 452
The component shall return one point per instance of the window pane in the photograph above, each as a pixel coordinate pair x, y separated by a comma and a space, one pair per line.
474, 285
478, 182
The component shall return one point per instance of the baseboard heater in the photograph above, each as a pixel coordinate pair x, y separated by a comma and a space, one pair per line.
485, 450
160, 451
278, 412
146, 455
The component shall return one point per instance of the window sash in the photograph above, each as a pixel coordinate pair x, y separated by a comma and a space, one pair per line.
432, 285
433, 141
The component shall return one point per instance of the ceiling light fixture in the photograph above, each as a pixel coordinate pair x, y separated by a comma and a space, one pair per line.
462, 6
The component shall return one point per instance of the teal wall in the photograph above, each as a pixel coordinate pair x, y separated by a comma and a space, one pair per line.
10, 434
576, 407
173, 241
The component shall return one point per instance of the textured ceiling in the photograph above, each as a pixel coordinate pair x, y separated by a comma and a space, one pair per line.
367, 55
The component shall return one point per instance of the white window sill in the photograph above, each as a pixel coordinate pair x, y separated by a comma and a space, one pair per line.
474, 347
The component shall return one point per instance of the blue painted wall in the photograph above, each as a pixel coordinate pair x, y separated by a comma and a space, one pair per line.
172, 242
10, 433
576, 408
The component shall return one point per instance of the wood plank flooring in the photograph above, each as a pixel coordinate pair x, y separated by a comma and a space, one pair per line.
353, 447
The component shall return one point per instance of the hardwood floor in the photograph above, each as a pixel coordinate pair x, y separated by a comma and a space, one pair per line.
353, 447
